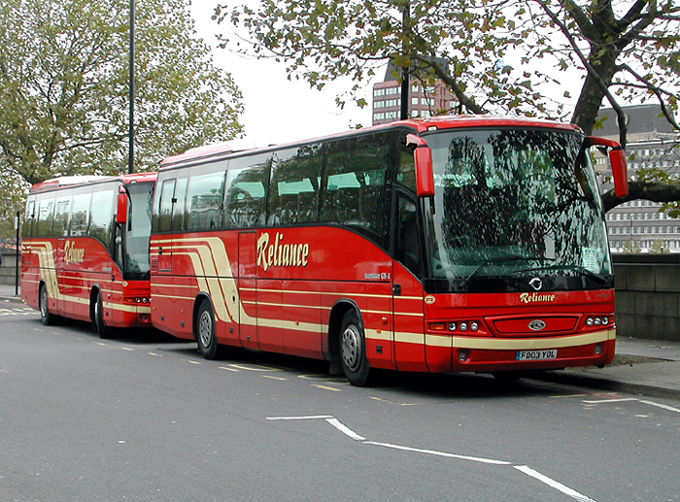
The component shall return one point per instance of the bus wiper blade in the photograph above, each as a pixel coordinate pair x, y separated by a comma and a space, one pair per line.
573, 268
502, 259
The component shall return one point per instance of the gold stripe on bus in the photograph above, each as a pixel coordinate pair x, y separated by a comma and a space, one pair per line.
489, 343
375, 334
127, 308
175, 297
175, 286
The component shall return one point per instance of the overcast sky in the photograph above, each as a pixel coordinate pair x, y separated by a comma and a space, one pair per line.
278, 110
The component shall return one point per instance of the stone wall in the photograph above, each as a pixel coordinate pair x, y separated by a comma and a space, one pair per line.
7, 270
648, 296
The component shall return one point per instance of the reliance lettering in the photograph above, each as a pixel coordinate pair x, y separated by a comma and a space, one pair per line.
280, 254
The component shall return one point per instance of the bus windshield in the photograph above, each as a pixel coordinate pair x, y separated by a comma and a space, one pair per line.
515, 205
137, 237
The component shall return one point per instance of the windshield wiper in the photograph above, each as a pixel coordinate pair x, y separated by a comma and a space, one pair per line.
504, 259
573, 268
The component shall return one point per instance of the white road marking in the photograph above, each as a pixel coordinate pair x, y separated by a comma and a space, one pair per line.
643, 401
618, 400
344, 429
525, 469
552, 483
659, 405
441, 453
309, 417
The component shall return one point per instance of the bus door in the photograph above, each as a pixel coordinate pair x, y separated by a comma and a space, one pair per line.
407, 289
247, 287
166, 208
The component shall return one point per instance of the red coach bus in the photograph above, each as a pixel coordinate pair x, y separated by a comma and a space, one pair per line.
86, 250
444, 245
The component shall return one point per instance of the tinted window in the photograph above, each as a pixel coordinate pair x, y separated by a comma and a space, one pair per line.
80, 212
247, 185
408, 248
205, 198
354, 185
101, 215
294, 190
29, 218
165, 205
45, 213
180, 202
406, 171
62, 211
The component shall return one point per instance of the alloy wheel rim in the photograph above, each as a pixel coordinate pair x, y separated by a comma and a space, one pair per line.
205, 329
351, 347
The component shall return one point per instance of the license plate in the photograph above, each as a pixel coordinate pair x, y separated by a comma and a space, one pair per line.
536, 355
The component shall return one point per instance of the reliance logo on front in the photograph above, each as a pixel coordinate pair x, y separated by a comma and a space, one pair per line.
536, 297
278, 254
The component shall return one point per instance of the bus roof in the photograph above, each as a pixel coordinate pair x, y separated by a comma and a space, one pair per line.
421, 125
71, 181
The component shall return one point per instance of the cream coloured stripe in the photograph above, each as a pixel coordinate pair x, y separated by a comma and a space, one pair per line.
175, 297
501, 343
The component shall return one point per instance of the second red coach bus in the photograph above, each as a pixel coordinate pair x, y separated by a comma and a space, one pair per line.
445, 245
86, 250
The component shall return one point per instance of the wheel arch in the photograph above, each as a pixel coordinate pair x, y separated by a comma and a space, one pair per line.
94, 291
200, 297
338, 311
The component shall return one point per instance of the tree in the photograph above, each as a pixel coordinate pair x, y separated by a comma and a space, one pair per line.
631, 246
618, 51
64, 87
659, 247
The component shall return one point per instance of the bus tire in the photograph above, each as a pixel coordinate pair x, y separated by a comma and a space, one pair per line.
98, 323
47, 318
205, 331
353, 350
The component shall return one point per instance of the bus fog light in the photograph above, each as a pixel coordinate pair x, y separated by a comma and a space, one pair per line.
605, 321
474, 326
589, 321
463, 326
598, 321
452, 326
598, 349
462, 356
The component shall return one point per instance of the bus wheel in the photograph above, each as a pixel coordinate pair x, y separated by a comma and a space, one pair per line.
206, 339
353, 350
99, 326
45, 316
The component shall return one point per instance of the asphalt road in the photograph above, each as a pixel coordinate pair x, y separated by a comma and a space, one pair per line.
144, 418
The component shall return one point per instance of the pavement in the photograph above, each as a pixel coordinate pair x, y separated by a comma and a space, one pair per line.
641, 366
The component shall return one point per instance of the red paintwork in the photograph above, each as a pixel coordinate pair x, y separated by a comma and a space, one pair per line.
286, 299
44, 262
290, 309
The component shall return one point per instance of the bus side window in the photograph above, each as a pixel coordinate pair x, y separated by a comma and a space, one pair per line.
29, 218
165, 205
101, 214
179, 207
205, 198
62, 212
354, 184
247, 186
80, 212
408, 245
45, 217
293, 196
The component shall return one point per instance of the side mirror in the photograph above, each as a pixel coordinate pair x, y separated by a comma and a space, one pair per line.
122, 206
422, 155
617, 159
